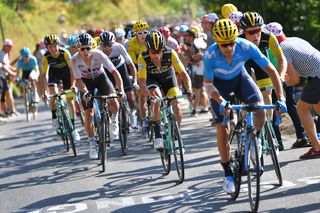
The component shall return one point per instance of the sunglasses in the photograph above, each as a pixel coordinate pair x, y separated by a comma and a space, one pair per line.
252, 32
228, 44
142, 32
155, 52
85, 48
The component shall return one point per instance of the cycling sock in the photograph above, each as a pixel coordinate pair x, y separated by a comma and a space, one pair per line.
157, 129
54, 115
114, 117
92, 141
227, 169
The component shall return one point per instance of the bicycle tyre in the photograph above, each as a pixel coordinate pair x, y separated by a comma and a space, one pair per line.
236, 159
123, 128
151, 134
273, 153
68, 130
253, 174
178, 156
26, 103
61, 132
103, 137
165, 156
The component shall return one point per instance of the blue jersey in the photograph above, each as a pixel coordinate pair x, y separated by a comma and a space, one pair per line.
27, 67
216, 65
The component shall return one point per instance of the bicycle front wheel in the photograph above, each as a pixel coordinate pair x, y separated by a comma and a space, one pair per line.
102, 126
178, 149
26, 103
123, 128
272, 151
253, 172
68, 130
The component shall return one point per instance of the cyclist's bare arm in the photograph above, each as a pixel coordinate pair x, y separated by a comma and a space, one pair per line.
275, 78
81, 85
133, 71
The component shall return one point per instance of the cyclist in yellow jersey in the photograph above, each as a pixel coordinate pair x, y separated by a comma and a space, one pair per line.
135, 47
56, 61
155, 72
251, 23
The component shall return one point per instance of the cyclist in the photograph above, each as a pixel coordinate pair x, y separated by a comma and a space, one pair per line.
225, 73
72, 47
88, 68
226, 9
30, 70
251, 23
121, 60
303, 60
135, 47
155, 73
120, 36
56, 61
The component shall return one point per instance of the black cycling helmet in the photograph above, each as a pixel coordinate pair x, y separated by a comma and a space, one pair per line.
51, 39
84, 39
251, 19
107, 38
155, 40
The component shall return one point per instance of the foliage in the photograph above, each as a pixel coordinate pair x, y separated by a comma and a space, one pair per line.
299, 18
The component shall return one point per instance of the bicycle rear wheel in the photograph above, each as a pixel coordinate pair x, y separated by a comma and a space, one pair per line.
253, 172
26, 103
272, 151
178, 148
123, 128
68, 131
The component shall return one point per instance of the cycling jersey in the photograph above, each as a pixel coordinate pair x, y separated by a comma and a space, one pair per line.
267, 41
29, 66
135, 49
99, 61
216, 66
59, 68
163, 77
118, 55
173, 44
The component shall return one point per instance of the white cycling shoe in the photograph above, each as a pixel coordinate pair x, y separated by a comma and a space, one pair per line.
93, 154
158, 144
228, 185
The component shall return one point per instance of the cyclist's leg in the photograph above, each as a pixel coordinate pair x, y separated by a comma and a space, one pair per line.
33, 78
155, 120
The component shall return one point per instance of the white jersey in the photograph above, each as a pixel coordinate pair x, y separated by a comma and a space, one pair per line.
4, 60
119, 55
98, 63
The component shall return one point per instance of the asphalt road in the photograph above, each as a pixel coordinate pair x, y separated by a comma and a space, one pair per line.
36, 175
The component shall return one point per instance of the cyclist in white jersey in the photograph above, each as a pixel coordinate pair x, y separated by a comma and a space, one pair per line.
121, 60
88, 68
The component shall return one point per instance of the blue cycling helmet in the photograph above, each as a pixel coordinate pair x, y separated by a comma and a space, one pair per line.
25, 52
72, 40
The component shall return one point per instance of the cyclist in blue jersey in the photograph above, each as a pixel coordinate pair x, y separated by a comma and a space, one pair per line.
224, 73
30, 69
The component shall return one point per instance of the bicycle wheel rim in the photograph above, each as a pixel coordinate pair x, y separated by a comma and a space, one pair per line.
69, 129
253, 173
178, 156
273, 154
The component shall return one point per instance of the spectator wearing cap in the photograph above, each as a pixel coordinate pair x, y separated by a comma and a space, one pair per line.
194, 58
6, 71
207, 23
303, 60
236, 17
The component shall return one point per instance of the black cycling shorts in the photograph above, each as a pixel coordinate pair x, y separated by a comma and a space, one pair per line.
3, 85
165, 81
127, 85
101, 83
60, 75
26, 74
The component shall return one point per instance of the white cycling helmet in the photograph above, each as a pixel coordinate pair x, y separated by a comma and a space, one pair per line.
235, 17
275, 28
212, 17
119, 33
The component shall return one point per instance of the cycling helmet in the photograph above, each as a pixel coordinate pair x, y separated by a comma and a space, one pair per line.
84, 39
51, 39
119, 33
275, 28
97, 32
226, 9
212, 17
155, 40
107, 38
235, 17
224, 31
251, 19
72, 40
140, 25
165, 31
183, 28
24, 52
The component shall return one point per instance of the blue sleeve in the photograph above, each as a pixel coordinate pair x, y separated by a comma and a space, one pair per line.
208, 62
257, 56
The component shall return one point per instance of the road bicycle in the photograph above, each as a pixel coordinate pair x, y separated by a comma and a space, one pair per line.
30, 106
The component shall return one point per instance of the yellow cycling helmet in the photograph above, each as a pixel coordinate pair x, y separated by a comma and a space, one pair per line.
224, 31
226, 9
140, 25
